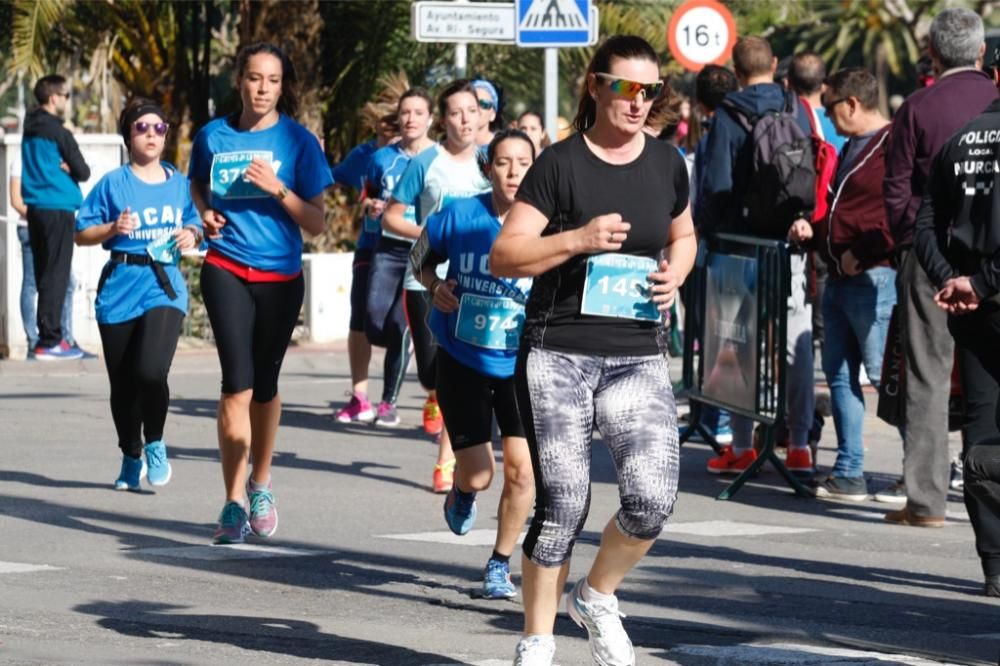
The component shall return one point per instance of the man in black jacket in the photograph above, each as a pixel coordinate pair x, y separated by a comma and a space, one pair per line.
52, 169
957, 240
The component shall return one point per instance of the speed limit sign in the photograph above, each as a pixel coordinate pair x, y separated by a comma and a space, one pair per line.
701, 32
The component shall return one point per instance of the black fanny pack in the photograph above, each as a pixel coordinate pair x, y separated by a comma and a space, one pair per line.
138, 260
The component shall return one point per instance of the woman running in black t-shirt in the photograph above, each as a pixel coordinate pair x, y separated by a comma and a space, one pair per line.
602, 222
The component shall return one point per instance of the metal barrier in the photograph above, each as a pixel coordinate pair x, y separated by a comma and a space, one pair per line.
735, 329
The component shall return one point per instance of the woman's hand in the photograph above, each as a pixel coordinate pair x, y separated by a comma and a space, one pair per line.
665, 284
443, 295
260, 174
124, 225
604, 233
186, 238
373, 208
213, 222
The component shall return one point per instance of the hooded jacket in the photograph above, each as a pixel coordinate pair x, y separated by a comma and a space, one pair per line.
45, 146
856, 219
728, 156
958, 224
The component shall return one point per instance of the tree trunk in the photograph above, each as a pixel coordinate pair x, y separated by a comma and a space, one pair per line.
882, 76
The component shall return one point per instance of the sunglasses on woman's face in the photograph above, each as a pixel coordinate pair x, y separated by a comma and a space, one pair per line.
630, 89
485, 105
141, 127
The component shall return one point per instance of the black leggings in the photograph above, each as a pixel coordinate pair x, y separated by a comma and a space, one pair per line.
138, 354
418, 307
252, 323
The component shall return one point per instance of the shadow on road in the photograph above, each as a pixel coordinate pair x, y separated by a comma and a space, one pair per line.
273, 635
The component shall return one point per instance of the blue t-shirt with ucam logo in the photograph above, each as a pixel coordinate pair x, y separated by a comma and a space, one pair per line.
432, 180
258, 232
484, 333
384, 170
158, 209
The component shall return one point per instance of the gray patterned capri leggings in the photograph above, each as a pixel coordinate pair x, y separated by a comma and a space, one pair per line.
629, 399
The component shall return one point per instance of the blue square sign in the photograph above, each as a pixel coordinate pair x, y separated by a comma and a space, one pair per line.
554, 22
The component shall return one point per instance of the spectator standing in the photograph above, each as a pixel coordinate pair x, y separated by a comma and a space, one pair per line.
956, 240
853, 239
29, 292
722, 205
52, 170
921, 126
712, 85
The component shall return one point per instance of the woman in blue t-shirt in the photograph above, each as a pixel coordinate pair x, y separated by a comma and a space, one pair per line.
438, 175
257, 178
477, 323
142, 212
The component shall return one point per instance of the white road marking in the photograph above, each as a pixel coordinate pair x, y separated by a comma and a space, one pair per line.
710, 528
244, 551
728, 528
18, 567
792, 653
473, 538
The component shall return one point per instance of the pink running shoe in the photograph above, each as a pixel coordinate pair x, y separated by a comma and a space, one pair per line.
263, 512
358, 409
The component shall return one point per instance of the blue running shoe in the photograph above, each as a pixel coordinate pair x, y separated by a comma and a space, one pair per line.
233, 525
459, 511
133, 469
158, 470
496, 581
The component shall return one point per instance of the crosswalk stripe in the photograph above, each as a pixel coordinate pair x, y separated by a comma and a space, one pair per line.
709, 528
243, 551
19, 567
791, 653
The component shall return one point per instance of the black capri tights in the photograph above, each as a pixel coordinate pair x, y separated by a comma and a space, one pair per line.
252, 323
138, 354
418, 308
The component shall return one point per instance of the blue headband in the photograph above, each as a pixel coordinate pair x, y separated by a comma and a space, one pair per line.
483, 84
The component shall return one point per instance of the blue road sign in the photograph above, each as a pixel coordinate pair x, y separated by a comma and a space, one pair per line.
554, 22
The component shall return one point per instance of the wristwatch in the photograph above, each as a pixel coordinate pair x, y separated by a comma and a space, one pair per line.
282, 193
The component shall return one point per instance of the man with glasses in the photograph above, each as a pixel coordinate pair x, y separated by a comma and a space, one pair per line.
854, 242
52, 170
927, 119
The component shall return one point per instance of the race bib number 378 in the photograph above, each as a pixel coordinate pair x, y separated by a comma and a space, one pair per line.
617, 285
229, 174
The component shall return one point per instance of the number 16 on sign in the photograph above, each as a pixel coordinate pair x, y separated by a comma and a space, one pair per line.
701, 32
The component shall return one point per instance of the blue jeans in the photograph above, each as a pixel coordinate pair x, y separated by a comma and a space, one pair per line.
856, 312
29, 293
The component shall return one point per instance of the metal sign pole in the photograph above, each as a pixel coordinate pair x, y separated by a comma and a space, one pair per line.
552, 92
461, 59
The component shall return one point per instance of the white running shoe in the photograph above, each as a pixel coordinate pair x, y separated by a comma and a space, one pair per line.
535, 651
609, 644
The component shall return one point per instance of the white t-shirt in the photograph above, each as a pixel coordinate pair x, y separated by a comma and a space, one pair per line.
15, 172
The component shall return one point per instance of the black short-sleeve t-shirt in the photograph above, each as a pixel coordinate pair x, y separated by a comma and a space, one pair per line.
571, 185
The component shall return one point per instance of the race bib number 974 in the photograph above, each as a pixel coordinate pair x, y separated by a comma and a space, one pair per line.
617, 285
489, 322
228, 176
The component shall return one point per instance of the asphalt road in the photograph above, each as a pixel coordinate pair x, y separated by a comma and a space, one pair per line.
363, 571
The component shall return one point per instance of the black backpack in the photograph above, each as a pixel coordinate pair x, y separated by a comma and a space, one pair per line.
782, 183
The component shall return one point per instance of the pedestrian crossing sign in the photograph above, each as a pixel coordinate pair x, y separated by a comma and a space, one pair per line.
555, 23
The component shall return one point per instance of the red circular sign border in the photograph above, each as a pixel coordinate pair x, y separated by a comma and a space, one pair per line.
679, 14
